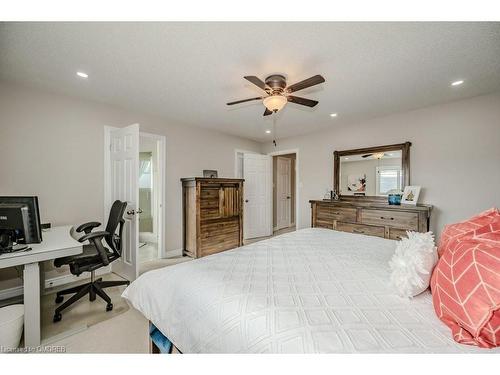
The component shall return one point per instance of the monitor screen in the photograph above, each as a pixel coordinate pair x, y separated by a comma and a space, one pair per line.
21, 214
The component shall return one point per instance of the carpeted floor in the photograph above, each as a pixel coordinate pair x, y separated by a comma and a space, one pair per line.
84, 322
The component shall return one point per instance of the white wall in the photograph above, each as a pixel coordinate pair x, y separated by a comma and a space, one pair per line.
455, 155
52, 146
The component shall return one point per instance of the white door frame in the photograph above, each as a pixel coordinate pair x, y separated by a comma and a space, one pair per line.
297, 182
236, 152
162, 158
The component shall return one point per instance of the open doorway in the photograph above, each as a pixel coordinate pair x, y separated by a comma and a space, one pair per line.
284, 193
150, 198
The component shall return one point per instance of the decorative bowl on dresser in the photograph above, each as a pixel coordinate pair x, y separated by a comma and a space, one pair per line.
212, 215
371, 218
362, 179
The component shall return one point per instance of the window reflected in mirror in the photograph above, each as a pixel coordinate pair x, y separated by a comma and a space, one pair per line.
371, 174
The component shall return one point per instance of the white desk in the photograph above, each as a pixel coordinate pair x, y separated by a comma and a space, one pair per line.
56, 243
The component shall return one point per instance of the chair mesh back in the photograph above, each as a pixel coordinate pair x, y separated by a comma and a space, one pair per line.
115, 217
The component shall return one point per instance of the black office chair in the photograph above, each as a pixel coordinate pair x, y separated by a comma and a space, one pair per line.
95, 255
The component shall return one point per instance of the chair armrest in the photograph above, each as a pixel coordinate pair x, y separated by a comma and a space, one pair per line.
93, 235
96, 239
87, 227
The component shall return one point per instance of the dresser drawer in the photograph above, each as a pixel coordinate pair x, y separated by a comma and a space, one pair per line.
328, 224
389, 218
326, 212
397, 234
369, 230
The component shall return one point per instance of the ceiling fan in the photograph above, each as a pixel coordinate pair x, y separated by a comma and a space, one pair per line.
376, 155
278, 93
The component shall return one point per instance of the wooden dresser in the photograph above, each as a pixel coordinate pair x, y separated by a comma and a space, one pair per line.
212, 215
371, 218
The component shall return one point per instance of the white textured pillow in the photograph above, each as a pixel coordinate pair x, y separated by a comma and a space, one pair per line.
412, 263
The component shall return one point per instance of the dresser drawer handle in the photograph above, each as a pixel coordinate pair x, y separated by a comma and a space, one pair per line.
358, 231
386, 218
336, 213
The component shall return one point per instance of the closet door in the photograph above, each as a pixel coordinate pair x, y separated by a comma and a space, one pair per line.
283, 192
257, 171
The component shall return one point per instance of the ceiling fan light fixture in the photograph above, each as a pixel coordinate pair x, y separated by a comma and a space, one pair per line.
275, 102
378, 155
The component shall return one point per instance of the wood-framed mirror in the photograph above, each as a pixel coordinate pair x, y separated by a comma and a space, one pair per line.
371, 173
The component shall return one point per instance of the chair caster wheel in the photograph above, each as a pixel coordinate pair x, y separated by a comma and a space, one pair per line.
59, 299
57, 318
109, 307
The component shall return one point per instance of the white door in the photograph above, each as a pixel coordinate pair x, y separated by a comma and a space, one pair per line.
257, 195
283, 192
124, 169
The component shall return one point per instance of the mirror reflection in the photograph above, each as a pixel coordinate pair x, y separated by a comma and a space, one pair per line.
371, 174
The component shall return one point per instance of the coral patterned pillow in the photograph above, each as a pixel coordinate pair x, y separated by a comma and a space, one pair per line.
453, 231
465, 285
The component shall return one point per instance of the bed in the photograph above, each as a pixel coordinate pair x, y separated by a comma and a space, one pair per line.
310, 291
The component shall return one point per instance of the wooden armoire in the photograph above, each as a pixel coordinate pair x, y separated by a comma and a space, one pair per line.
212, 215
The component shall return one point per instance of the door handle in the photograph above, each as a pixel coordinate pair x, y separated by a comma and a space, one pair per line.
139, 211
131, 212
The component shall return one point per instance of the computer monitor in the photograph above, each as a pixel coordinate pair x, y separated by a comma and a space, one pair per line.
19, 222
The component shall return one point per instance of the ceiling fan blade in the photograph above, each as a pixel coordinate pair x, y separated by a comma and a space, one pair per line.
257, 82
302, 101
267, 112
314, 80
366, 156
244, 100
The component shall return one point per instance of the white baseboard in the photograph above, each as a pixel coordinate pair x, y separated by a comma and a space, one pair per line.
173, 253
52, 282
11, 292
291, 225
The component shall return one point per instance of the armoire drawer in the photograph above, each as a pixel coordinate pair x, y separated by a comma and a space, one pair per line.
217, 243
390, 218
369, 230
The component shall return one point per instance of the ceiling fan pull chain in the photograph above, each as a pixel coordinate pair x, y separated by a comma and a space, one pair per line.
274, 127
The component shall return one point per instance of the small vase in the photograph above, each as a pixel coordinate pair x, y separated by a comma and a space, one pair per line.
394, 199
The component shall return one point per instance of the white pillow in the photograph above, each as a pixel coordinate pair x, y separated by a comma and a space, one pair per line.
412, 263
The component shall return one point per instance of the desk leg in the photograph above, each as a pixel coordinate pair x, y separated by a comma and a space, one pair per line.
31, 305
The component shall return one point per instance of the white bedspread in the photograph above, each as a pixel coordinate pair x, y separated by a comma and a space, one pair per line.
314, 290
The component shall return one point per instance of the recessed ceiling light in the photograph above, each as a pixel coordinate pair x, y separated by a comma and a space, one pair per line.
457, 83
268, 131
82, 74
333, 115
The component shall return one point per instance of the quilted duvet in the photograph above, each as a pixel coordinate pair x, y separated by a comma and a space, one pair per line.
311, 291
466, 281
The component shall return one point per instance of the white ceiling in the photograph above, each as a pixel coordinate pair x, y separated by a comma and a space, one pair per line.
387, 155
186, 72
